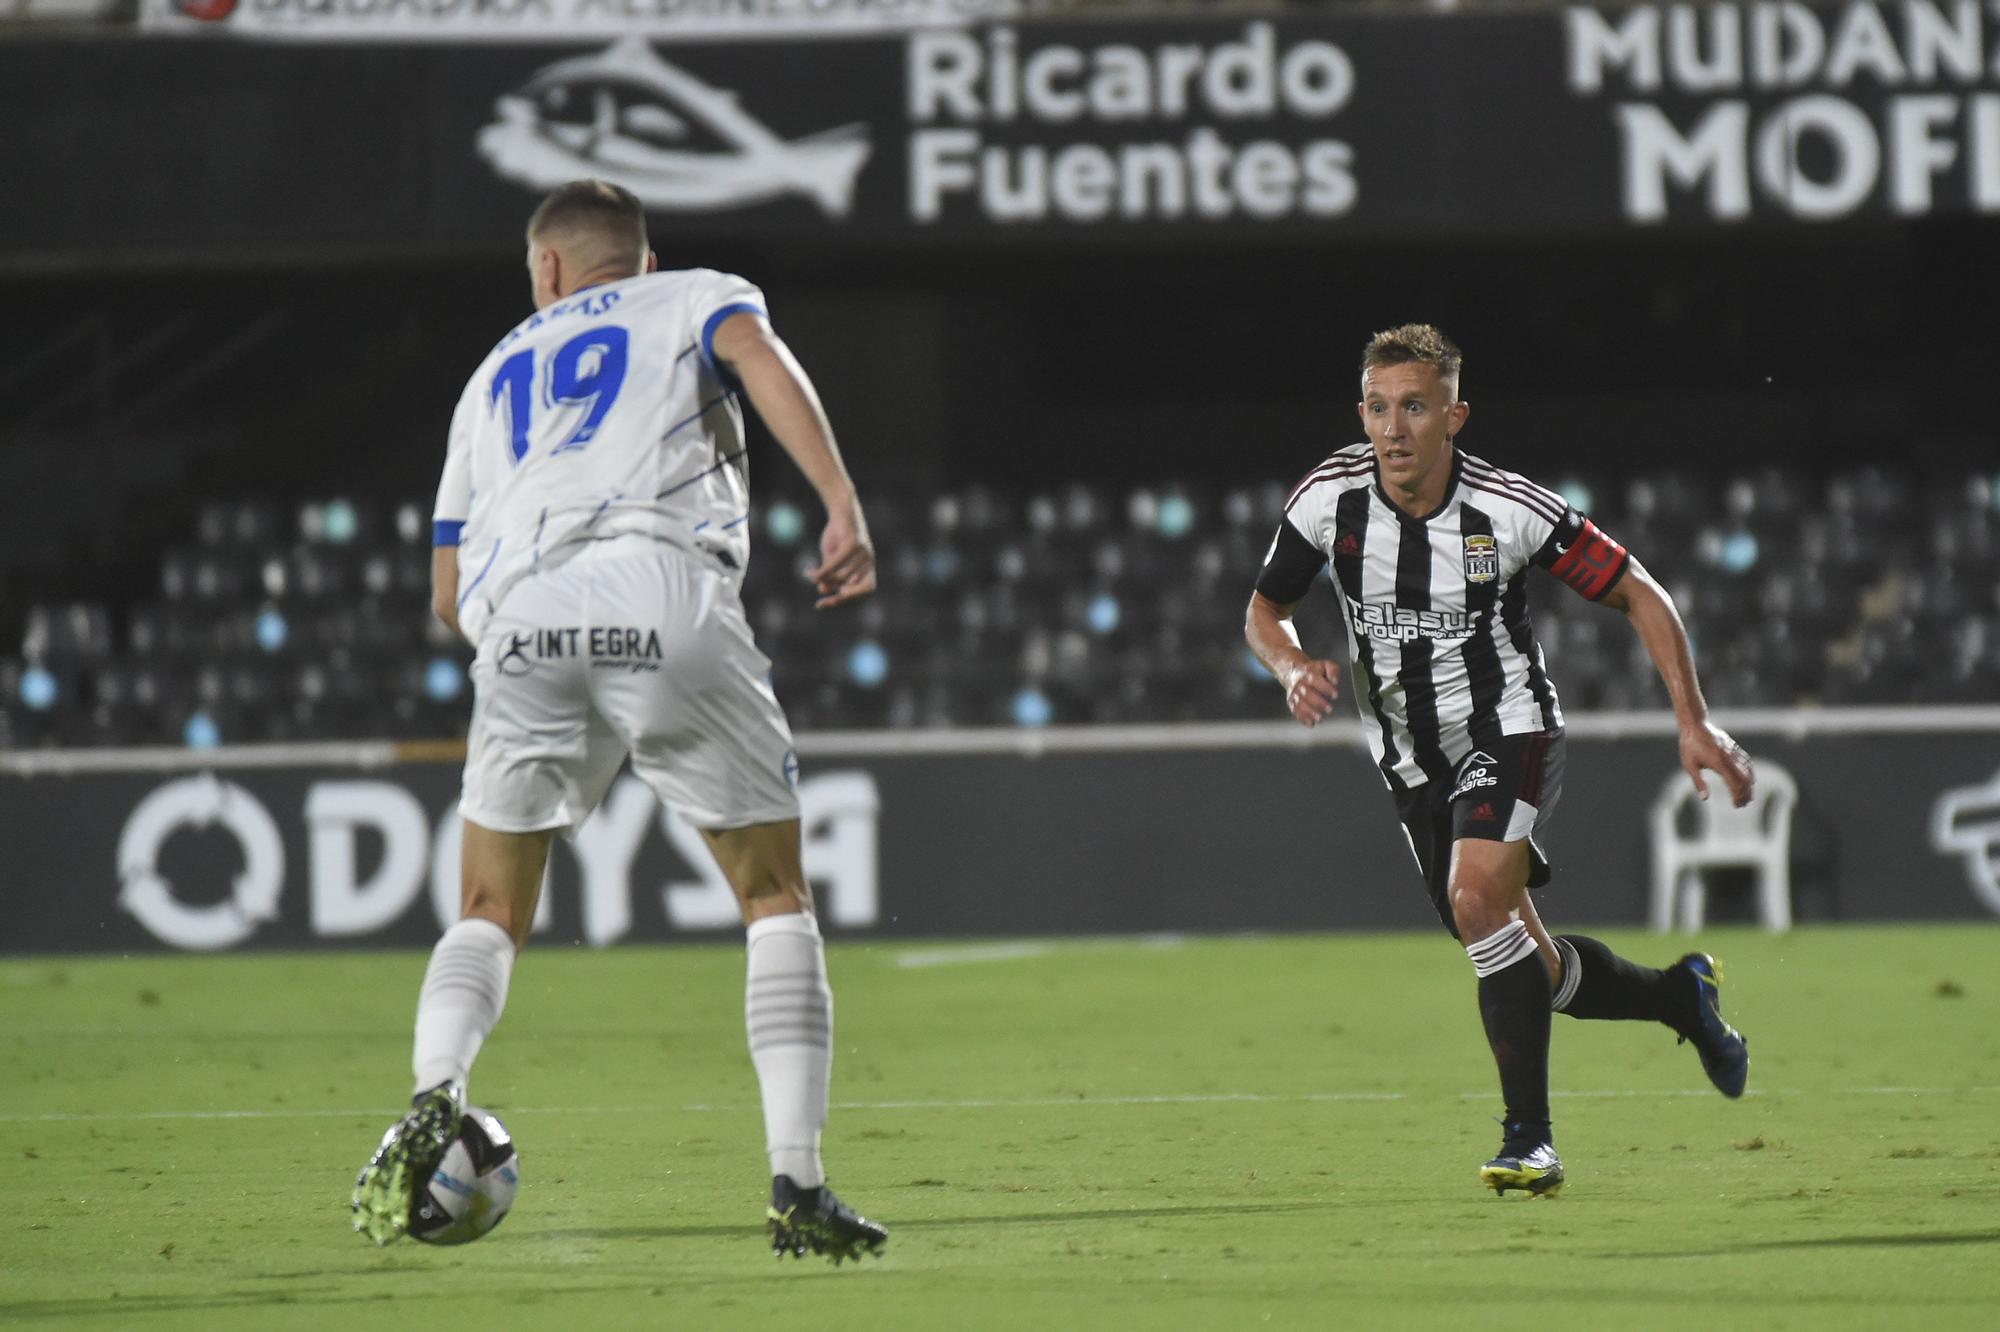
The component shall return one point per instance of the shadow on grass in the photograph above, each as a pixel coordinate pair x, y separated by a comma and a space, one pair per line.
1914, 1239
923, 1223
277, 1298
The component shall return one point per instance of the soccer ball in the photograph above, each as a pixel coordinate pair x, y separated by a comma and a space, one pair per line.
473, 1186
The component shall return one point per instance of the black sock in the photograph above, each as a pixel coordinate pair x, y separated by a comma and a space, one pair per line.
1514, 1003
1601, 984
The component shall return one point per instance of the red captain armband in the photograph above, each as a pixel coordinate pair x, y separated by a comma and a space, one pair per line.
1592, 563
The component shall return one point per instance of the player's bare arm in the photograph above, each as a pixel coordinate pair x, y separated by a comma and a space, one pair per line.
1311, 684
1704, 745
779, 389
444, 587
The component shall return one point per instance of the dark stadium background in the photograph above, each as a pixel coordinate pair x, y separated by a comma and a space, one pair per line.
243, 279
1811, 351
189, 367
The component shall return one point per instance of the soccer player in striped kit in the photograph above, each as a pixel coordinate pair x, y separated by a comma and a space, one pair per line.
1430, 550
591, 540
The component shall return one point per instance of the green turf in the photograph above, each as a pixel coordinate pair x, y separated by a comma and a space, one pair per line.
1319, 1107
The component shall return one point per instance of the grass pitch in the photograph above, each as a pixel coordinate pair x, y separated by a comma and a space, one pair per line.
1261, 1132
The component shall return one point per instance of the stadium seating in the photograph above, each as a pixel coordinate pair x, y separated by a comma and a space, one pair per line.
1075, 605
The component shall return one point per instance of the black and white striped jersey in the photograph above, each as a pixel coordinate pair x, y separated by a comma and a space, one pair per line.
1437, 607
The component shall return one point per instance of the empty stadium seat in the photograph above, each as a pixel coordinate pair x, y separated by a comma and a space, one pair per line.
1692, 836
1072, 603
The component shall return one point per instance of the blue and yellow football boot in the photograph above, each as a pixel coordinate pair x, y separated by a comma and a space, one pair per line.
1725, 1053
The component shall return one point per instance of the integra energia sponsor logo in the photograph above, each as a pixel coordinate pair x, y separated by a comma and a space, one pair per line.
1013, 127
608, 647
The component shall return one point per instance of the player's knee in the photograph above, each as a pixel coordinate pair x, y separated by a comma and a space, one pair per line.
774, 895
768, 877
1475, 900
501, 910
1472, 889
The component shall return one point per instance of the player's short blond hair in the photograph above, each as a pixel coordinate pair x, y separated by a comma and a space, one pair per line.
594, 217
1421, 344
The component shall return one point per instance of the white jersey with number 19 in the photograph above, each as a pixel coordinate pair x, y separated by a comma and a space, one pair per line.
602, 415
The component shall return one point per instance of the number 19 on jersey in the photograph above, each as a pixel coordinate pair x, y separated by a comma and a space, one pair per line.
587, 371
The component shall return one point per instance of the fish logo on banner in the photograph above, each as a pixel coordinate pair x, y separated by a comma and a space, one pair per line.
1966, 822
680, 145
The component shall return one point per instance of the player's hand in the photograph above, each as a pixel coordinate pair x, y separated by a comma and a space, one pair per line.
1310, 690
1708, 746
846, 569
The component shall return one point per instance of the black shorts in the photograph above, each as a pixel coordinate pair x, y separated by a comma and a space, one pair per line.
1502, 792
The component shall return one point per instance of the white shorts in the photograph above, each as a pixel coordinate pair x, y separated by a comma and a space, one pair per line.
629, 647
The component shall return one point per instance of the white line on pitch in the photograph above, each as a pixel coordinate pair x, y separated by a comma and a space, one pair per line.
60, 1118
1616, 1095
957, 954
950, 957
1187, 1099
1760, 1091
1022, 1103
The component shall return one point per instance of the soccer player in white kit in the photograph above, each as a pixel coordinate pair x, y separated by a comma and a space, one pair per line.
591, 538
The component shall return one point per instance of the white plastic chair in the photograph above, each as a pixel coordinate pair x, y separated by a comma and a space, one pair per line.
1757, 837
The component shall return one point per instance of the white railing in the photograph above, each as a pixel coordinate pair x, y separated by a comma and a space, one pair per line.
1745, 723
67, 11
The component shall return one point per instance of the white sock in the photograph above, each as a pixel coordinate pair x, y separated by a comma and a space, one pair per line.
788, 1013
464, 990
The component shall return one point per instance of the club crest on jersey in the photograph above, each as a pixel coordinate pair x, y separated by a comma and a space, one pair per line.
1482, 558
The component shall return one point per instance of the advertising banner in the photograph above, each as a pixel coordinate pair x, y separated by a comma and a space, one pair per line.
463, 21
1308, 124
1220, 839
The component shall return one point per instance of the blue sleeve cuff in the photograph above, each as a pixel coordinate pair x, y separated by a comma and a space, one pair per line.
715, 321
444, 532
